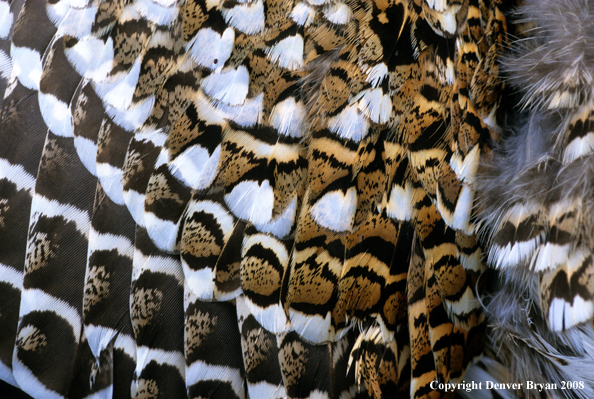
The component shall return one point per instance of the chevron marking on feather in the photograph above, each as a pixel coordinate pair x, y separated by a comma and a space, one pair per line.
422, 359
298, 360
193, 146
373, 282
264, 260
249, 194
566, 292
317, 263
518, 237
207, 229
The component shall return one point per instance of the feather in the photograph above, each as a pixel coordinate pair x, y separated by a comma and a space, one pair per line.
293, 197
208, 325
106, 310
260, 354
538, 226
157, 291
51, 313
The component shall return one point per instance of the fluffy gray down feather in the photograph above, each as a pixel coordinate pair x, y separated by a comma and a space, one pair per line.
537, 201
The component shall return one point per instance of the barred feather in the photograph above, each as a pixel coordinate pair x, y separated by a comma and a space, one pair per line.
283, 198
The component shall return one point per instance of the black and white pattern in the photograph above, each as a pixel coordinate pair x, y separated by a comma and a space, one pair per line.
295, 198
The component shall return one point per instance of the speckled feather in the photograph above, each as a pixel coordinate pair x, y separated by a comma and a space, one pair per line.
285, 196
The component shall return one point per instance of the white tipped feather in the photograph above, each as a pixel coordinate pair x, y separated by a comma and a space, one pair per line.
317, 2
230, 86
564, 315
26, 65
376, 74
6, 375
467, 167
252, 201
247, 18
87, 152
57, 11
549, 256
303, 14
30, 384
133, 117
288, 53
135, 204
91, 58
17, 175
157, 137
126, 344
78, 22
36, 300
272, 318
336, 210
165, 3
401, 202
246, 115
145, 355
118, 94
5, 66
281, 226
315, 328
579, 147
41, 205
200, 282
513, 253
202, 371
349, 124
99, 338
11, 276
195, 167
162, 232
461, 218
110, 242
6, 19
376, 105
339, 13
56, 115
210, 49
111, 181
288, 117
158, 12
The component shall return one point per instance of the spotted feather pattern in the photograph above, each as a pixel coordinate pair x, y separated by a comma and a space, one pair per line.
281, 198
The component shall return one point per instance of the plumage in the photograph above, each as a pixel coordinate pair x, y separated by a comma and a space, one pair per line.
296, 198
539, 224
